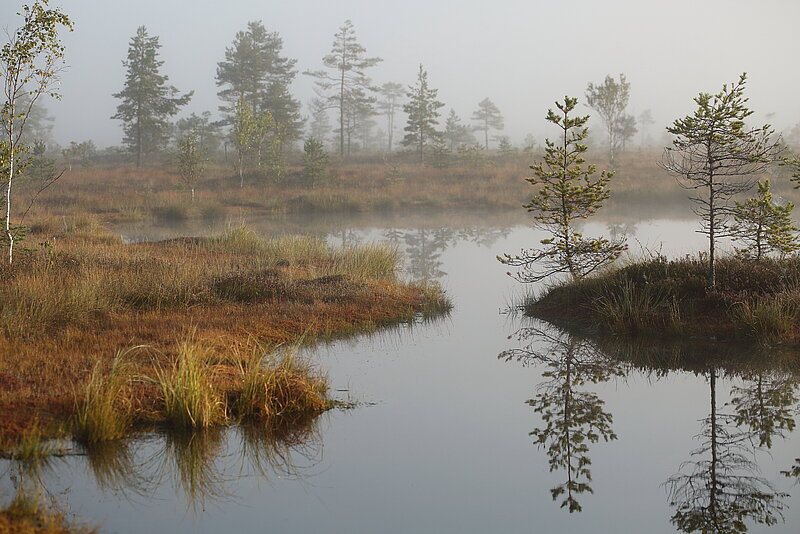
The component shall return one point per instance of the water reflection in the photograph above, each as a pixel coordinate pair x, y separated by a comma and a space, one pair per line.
765, 404
573, 417
719, 489
31, 500
202, 466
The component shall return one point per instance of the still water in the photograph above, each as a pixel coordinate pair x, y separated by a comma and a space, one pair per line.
478, 422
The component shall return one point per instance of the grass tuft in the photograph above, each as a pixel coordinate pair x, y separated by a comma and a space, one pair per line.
105, 412
631, 309
768, 320
187, 388
276, 385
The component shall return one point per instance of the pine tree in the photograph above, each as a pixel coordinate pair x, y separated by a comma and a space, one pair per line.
207, 131
285, 111
422, 109
505, 148
488, 117
763, 225
255, 71
315, 161
319, 125
41, 167
346, 86
147, 100
567, 193
717, 156
243, 74
456, 134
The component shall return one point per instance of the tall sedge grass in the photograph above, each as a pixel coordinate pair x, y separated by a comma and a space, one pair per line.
105, 412
768, 319
32, 447
632, 308
278, 384
367, 261
187, 388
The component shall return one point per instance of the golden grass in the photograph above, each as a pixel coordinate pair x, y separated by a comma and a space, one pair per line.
128, 194
278, 384
14, 521
105, 412
68, 309
187, 387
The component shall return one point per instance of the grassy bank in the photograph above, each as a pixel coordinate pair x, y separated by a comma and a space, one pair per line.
99, 336
128, 194
757, 301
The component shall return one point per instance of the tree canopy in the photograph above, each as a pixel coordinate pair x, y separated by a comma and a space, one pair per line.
345, 86
255, 71
147, 100
566, 193
489, 118
609, 99
30, 63
422, 108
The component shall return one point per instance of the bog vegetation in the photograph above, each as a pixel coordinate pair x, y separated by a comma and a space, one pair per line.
754, 294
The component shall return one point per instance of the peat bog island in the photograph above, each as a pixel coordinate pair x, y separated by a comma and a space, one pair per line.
330, 285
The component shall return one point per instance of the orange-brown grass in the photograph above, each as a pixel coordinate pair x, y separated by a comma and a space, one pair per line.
127, 193
68, 309
13, 522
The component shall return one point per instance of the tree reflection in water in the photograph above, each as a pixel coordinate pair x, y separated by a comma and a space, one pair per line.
573, 418
720, 487
423, 247
764, 403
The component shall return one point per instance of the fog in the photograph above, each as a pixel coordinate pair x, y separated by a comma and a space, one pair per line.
522, 54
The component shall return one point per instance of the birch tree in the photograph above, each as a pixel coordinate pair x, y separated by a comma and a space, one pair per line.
30, 64
609, 99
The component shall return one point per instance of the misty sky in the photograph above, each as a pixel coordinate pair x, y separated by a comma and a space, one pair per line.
523, 55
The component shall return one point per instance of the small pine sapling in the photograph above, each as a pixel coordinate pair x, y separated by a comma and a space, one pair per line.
567, 194
764, 226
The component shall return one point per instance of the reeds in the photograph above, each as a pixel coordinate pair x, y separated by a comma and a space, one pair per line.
277, 385
105, 413
190, 399
629, 308
32, 448
768, 320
